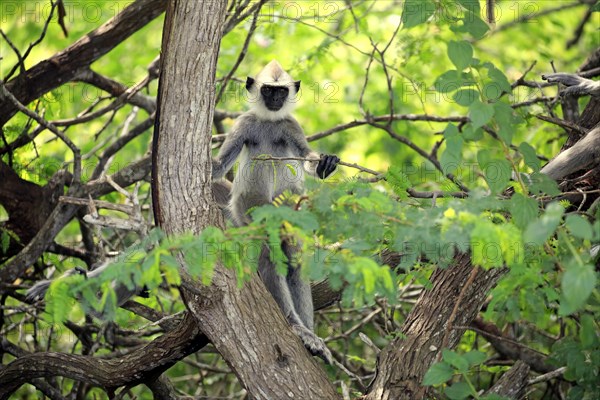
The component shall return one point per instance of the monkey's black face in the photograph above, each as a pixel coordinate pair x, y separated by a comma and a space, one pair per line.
274, 96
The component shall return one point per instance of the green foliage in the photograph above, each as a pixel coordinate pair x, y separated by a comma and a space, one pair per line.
455, 365
445, 61
497, 171
452, 156
59, 301
541, 229
581, 355
577, 284
480, 113
531, 159
523, 210
5, 237
416, 12
460, 53
398, 180
438, 373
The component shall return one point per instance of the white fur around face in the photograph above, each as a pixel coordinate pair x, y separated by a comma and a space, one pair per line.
272, 75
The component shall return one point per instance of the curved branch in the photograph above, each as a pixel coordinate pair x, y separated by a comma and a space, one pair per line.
65, 65
384, 118
145, 364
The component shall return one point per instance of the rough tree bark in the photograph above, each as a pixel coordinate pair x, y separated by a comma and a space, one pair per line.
244, 324
513, 383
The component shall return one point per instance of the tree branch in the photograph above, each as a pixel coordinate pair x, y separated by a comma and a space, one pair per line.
65, 65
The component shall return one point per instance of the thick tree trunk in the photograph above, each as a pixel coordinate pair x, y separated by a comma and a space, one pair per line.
244, 324
428, 328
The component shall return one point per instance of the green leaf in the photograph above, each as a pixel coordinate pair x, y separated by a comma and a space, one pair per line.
497, 171
576, 392
471, 5
474, 357
523, 209
504, 116
369, 281
485, 249
531, 158
498, 78
452, 155
470, 133
577, 285
541, 229
587, 332
473, 25
449, 81
108, 302
151, 274
456, 360
542, 183
460, 53
480, 113
438, 373
459, 391
59, 300
579, 227
465, 97
415, 12
5, 241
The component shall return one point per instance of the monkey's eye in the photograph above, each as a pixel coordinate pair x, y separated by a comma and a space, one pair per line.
265, 91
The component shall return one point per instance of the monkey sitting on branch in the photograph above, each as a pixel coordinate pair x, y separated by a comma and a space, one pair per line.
268, 128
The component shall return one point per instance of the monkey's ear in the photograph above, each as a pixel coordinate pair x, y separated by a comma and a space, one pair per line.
297, 85
249, 83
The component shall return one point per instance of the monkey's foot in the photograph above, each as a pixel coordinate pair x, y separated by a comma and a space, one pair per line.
314, 344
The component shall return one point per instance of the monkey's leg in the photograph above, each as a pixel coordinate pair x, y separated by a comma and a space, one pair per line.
298, 287
278, 286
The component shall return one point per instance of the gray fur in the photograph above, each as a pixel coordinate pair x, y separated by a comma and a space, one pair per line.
263, 132
259, 182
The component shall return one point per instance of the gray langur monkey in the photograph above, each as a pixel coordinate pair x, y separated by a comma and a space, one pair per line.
268, 128
585, 152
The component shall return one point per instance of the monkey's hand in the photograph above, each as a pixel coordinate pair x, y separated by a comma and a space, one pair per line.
314, 344
576, 85
327, 165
